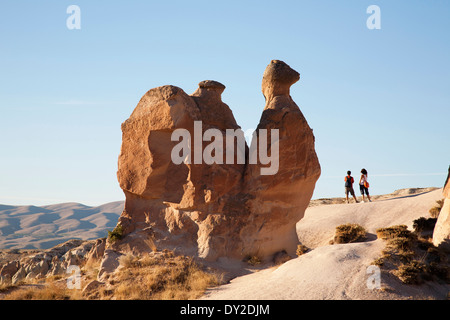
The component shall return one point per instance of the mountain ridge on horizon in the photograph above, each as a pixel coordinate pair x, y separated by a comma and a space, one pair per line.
42, 227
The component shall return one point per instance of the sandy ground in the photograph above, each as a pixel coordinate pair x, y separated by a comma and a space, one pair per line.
318, 225
341, 271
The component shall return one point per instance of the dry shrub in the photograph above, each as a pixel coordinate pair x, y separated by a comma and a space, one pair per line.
160, 275
434, 211
252, 260
424, 224
393, 232
50, 291
163, 276
410, 273
301, 249
348, 233
411, 258
128, 260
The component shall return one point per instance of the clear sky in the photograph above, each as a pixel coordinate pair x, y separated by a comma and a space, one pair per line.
378, 99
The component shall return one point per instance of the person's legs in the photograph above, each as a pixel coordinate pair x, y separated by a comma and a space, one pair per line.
361, 188
353, 194
346, 193
367, 193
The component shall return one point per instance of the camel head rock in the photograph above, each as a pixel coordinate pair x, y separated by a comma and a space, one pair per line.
219, 208
278, 79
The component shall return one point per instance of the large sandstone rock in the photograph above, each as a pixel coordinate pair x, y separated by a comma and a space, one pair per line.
215, 203
281, 199
441, 234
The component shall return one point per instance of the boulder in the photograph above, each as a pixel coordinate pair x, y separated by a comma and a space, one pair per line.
97, 250
109, 264
9, 268
94, 285
19, 276
441, 234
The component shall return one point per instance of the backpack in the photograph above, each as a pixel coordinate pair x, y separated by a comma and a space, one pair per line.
348, 181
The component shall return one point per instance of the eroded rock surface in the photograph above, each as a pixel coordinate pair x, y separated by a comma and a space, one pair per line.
441, 234
216, 208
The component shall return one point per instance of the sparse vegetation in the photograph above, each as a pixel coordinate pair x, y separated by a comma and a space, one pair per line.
348, 233
116, 234
252, 260
424, 224
410, 258
434, 211
393, 232
158, 275
410, 273
162, 276
301, 249
50, 291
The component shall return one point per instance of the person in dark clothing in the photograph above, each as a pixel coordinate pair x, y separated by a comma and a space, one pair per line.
349, 186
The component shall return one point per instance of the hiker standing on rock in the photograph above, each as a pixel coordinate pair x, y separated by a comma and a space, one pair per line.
349, 186
364, 185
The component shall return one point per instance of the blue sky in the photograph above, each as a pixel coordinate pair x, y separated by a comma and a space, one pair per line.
377, 99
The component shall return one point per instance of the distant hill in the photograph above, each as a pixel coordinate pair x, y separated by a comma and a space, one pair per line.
31, 227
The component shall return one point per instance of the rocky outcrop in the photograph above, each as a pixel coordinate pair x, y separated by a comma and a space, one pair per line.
192, 184
51, 262
441, 234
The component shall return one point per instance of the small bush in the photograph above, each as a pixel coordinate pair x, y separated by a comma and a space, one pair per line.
434, 211
424, 224
348, 233
301, 249
400, 244
116, 234
128, 261
393, 232
252, 260
411, 273
281, 257
412, 259
439, 270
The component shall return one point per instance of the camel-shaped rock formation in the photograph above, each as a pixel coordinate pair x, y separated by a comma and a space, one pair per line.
234, 206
